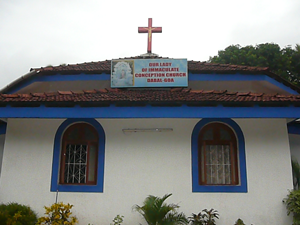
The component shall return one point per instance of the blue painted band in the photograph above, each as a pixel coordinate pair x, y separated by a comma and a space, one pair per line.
55, 186
280, 85
77, 77
241, 154
150, 112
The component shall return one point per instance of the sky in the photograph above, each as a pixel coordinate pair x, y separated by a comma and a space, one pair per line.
38, 33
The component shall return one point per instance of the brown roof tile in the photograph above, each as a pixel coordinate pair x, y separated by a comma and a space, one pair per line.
105, 67
65, 92
149, 96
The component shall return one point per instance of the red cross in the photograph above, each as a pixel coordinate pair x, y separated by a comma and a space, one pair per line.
150, 30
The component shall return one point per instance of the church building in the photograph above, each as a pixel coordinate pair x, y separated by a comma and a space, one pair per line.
104, 135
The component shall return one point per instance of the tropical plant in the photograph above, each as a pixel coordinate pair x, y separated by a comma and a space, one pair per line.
57, 214
156, 212
205, 217
196, 219
239, 222
292, 202
117, 220
16, 214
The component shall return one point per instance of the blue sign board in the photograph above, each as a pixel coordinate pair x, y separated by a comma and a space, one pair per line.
149, 73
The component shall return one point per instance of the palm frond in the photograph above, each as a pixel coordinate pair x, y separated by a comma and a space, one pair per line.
156, 212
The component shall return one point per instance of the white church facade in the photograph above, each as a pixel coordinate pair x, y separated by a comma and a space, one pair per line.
224, 141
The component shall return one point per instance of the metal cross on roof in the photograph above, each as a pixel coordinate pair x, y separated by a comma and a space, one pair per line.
150, 30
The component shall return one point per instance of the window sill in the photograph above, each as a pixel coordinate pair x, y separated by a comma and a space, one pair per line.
219, 188
77, 188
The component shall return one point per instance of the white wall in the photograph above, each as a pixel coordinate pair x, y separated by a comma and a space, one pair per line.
2, 140
140, 164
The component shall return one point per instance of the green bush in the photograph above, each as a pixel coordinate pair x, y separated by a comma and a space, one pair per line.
292, 202
16, 214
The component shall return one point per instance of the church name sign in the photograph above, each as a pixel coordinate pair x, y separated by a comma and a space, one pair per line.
149, 73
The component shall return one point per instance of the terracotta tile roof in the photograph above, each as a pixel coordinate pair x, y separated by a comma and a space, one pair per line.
105, 67
195, 67
176, 96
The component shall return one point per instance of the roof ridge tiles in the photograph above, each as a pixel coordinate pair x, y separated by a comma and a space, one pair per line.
208, 92
38, 94
243, 93
256, 94
25, 95
65, 92
176, 89
231, 92
102, 90
113, 89
196, 91
50, 94
89, 91
185, 90
283, 96
270, 95
10, 95
171, 95
219, 91
104, 66
78, 92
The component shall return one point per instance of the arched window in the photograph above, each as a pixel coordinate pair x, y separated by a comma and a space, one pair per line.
218, 157
79, 155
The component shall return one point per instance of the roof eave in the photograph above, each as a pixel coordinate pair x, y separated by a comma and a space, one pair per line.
18, 81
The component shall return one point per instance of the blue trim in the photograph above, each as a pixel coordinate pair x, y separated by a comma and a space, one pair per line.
281, 85
55, 186
3, 128
149, 112
242, 159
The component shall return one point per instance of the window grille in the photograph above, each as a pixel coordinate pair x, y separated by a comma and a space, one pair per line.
217, 155
79, 155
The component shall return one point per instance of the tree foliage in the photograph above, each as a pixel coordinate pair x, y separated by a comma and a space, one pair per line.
285, 62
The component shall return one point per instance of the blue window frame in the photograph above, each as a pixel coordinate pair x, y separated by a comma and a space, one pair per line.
196, 186
55, 185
